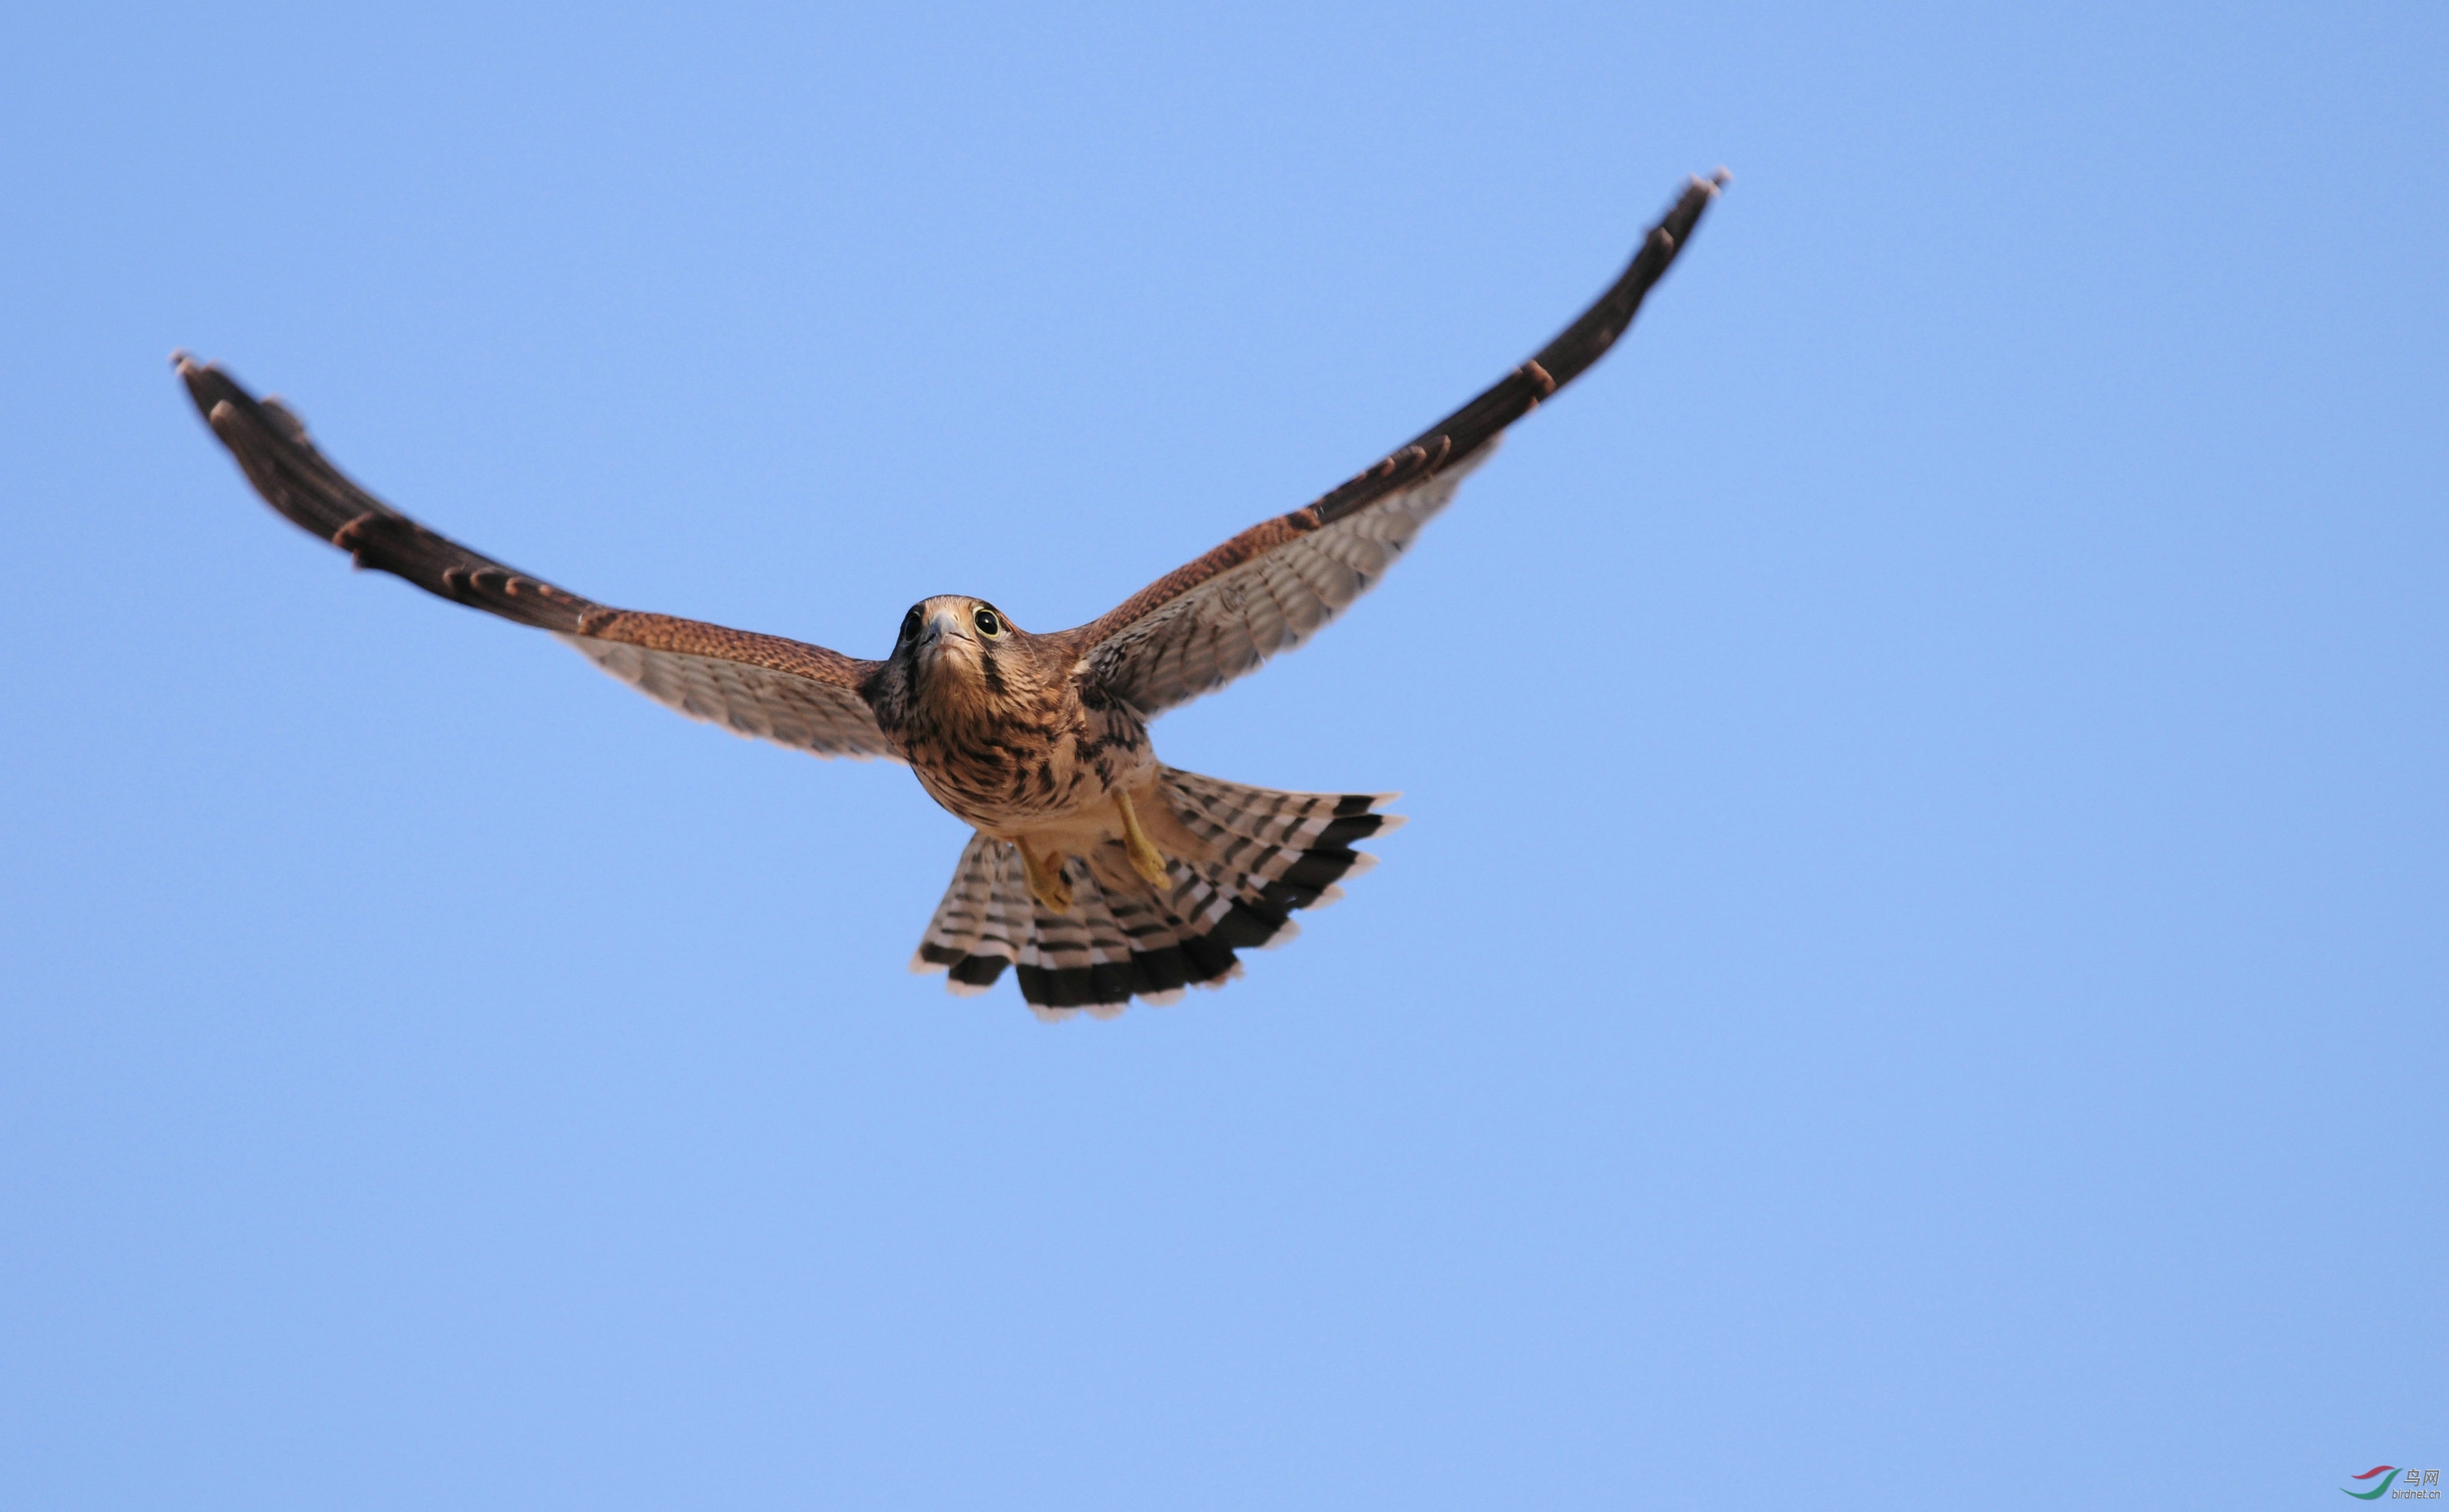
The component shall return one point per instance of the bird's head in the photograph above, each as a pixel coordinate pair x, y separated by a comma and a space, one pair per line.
956, 650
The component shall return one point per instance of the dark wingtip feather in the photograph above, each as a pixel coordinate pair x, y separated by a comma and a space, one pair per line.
269, 443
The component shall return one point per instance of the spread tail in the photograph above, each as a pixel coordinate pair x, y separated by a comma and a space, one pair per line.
1269, 854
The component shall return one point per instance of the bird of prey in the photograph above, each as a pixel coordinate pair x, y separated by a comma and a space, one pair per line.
1097, 873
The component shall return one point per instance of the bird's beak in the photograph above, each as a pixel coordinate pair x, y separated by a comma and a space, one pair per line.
941, 626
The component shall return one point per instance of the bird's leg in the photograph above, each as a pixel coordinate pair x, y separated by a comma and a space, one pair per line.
1047, 882
1145, 858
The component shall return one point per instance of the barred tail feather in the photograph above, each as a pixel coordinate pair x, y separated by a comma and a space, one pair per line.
1270, 854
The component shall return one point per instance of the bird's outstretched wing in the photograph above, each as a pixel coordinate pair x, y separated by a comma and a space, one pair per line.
763, 685
1265, 590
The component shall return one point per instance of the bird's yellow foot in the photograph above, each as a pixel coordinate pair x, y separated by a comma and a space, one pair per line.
1048, 882
1145, 858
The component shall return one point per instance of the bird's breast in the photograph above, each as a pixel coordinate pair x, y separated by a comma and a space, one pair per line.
1017, 767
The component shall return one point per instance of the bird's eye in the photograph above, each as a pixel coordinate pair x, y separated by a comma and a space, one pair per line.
910, 626
989, 622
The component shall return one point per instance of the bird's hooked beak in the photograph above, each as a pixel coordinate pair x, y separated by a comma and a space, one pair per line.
942, 625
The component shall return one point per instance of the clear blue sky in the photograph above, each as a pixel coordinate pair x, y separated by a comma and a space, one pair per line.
1918, 969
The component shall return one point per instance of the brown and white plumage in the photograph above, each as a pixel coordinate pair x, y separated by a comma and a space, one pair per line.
1265, 854
1097, 874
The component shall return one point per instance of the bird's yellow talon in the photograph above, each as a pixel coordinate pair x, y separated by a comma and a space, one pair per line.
1145, 858
1048, 882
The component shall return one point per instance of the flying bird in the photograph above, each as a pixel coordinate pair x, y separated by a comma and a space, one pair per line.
1097, 874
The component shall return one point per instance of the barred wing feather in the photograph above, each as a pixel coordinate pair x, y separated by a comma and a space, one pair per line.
1268, 588
747, 699
763, 685
1204, 639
